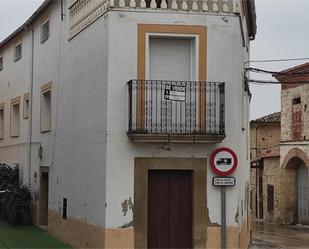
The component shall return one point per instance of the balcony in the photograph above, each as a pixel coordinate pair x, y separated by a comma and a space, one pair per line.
176, 111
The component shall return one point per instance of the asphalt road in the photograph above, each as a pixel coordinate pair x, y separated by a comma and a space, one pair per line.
276, 236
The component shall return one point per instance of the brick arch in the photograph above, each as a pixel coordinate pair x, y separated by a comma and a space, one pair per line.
295, 157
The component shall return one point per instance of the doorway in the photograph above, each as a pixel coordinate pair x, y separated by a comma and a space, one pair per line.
169, 209
302, 192
43, 201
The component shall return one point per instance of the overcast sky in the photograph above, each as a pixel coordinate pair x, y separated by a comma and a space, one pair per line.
283, 32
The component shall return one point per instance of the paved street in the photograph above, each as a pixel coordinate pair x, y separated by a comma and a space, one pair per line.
283, 237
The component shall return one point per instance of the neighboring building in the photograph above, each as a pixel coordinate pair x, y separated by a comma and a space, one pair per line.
282, 187
106, 105
265, 167
294, 145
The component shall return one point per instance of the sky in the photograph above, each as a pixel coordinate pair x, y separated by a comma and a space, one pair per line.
283, 32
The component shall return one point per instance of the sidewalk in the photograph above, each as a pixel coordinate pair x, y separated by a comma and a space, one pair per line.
270, 236
26, 237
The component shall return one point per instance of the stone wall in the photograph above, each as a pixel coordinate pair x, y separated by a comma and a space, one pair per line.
264, 139
294, 117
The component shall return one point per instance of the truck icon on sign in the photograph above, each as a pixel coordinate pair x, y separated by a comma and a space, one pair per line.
224, 161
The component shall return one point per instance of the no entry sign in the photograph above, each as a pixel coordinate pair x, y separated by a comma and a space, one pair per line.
223, 161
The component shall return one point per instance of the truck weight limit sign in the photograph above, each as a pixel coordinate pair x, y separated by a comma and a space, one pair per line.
223, 161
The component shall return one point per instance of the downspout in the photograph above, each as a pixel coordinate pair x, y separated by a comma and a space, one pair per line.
30, 107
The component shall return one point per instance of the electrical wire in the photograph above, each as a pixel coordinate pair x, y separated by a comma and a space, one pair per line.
255, 81
275, 73
278, 60
257, 70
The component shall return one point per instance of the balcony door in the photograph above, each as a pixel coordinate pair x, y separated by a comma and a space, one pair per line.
171, 64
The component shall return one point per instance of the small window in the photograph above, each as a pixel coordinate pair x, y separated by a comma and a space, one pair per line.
296, 101
17, 52
2, 123
65, 208
26, 107
270, 198
46, 110
1, 63
15, 119
45, 31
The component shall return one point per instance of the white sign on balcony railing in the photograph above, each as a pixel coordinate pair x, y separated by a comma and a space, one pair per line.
175, 92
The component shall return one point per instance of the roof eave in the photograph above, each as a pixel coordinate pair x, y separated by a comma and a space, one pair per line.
252, 19
24, 26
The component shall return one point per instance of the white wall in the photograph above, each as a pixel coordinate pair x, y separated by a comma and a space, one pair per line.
78, 171
90, 157
225, 63
13, 84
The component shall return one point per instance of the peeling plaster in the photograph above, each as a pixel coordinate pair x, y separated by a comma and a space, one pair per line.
127, 225
209, 223
127, 205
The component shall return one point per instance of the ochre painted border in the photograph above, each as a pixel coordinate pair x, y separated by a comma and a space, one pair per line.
15, 100
143, 29
46, 87
141, 167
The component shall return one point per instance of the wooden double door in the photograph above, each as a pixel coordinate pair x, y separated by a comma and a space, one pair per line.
170, 209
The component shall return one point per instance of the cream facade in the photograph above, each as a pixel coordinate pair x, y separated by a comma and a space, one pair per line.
99, 146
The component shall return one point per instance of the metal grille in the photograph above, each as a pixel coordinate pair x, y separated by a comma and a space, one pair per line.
176, 107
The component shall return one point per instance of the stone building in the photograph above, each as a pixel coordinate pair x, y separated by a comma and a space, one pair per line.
265, 167
112, 109
294, 144
281, 183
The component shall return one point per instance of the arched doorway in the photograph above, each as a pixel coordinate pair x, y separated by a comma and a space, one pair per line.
296, 181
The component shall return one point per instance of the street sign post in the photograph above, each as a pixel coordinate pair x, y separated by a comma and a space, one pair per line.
223, 162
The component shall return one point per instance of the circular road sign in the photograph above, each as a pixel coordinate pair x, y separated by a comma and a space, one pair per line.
223, 161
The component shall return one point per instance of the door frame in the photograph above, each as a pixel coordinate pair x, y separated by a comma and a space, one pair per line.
43, 190
198, 167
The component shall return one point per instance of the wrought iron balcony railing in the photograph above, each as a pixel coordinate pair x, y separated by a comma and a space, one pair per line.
176, 111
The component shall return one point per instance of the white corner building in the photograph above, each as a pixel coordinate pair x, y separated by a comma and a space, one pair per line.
112, 108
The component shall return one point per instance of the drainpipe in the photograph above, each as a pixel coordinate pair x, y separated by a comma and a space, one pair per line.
30, 107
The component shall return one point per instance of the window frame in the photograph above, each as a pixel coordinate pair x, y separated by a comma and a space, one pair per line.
26, 98
2, 108
44, 89
1, 62
194, 40
296, 101
21, 51
15, 101
43, 39
270, 201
